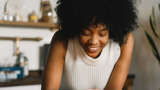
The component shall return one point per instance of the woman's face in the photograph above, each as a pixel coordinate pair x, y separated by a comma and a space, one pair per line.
93, 39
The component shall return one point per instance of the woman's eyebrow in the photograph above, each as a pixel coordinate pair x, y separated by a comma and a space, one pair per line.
104, 29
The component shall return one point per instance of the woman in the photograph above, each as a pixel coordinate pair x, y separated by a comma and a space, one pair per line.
93, 48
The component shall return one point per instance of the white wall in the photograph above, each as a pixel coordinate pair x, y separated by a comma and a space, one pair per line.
30, 48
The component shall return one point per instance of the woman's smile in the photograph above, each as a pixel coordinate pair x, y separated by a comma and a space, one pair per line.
94, 39
93, 49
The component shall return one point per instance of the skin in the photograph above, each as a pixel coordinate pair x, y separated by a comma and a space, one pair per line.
120, 71
93, 41
54, 67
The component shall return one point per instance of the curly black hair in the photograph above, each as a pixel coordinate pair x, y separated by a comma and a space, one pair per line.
118, 15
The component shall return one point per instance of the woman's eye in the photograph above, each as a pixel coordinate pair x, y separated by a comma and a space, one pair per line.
103, 34
86, 33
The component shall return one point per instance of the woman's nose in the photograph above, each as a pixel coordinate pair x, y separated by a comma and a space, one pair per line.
94, 40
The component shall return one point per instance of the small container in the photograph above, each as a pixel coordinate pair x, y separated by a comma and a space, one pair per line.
11, 73
46, 10
23, 62
5, 16
16, 18
33, 17
10, 18
2, 76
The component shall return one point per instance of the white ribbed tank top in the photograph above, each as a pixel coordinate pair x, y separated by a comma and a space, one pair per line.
82, 72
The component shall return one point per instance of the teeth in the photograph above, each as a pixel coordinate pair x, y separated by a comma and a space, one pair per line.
94, 49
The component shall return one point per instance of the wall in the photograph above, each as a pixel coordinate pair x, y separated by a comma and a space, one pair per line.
144, 65
30, 48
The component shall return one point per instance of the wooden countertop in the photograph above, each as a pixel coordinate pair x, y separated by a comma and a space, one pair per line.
34, 78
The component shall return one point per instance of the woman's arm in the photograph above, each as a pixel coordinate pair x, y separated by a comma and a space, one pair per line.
120, 71
54, 67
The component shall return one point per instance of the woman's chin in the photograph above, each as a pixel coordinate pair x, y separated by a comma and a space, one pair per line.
93, 54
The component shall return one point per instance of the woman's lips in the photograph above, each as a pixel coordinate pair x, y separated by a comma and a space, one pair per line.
93, 49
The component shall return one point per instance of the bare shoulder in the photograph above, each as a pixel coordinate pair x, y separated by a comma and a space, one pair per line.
55, 62
130, 38
127, 47
121, 68
59, 38
59, 43
129, 41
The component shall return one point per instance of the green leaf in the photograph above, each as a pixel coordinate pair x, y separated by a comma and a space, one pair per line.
153, 13
159, 6
154, 48
153, 24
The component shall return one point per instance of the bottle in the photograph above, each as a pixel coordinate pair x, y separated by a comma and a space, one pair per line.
22, 61
47, 12
26, 63
18, 60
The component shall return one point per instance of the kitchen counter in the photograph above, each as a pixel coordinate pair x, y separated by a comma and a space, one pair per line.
35, 77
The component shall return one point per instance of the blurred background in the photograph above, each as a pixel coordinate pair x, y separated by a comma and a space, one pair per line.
26, 29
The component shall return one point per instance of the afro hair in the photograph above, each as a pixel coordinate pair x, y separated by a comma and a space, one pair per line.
118, 15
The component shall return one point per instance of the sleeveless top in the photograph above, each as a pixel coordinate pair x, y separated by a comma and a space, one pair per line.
82, 72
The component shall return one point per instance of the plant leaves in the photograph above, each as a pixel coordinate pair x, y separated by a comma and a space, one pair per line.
159, 7
154, 48
153, 25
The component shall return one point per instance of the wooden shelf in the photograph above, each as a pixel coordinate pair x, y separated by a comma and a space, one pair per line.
29, 24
